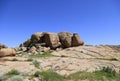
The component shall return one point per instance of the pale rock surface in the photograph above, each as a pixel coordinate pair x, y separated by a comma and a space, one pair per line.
67, 61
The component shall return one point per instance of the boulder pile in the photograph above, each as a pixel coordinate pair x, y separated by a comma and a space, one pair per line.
46, 41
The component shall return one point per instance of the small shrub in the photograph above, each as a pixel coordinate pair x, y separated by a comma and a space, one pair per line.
36, 64
63, 56
105, 74
41, 55
81, 51
113, 59
37, 74
14, 59
12, 72
29, 59
109, 71
49, 76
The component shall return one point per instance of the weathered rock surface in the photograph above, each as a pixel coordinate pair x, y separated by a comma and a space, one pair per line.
7, 52
37, 37
67, 61
76, 41
65, 39
51, 40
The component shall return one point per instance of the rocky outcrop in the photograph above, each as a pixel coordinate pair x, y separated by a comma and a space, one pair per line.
66, 61
37, 37
65, 39
76, 41
26, 43
51, 40
3, 46
7, 52
32, 50
45, 40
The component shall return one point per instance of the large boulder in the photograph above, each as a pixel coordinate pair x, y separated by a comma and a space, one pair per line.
3, 46
7, 52
51, 40
76, 41
37, 37
65, 39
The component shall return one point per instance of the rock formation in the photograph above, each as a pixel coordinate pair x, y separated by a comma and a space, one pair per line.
7, 52
45, 40
76, 41
65, 39
3, 46
51, 40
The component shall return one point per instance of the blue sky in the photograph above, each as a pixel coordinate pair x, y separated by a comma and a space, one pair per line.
96, 21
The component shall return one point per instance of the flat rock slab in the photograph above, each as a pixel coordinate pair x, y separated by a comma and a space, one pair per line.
67, 61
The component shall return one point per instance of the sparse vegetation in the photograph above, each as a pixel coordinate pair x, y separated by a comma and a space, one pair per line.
113, 59
49, 76
37, 74
29, 59
12, 72
23, 54
41, 55
14, 59
109, 70
106, 74
36, 64
110, 59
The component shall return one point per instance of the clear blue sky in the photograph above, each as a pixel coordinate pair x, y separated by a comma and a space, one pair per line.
96, 21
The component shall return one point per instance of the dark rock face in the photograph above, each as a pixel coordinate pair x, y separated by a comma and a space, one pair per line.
76, 41
37, 37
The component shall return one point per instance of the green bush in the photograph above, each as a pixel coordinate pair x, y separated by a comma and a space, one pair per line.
109, 59
29, 59
49, 76
12, 72
36, 64
105, 74
37, 74
41, 55
109, 70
